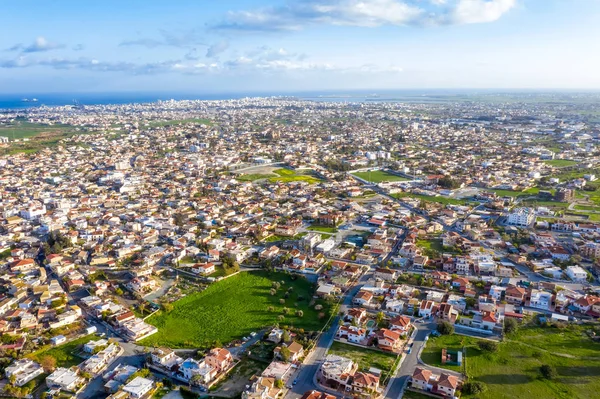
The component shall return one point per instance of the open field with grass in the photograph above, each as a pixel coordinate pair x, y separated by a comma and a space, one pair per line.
440, 199
287, 176
378, 176
64, 354
323, 229
366, 358
513, 371
511, 193
560, 163
436, 245
253, 177
21, 130
39, 136
235, 307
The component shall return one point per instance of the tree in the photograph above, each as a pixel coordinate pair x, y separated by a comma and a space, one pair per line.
474, 387
548, 371
285, 354
286, 336
510, 325
167, 307
380, 318
279, 383
119, 291
445, 328
300, 313
48, 363
488, 346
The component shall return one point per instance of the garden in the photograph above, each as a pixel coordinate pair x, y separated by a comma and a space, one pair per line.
366, 358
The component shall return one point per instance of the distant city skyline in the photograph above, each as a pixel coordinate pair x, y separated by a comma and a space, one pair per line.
284, 46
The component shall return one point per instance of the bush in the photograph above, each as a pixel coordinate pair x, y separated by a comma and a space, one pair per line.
488, 346
445, 328
474, 387
548, 371
510, 325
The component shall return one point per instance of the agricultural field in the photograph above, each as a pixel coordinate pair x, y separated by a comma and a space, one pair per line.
366, 358
560, 163
287, 176
513, 371
39, 136
233, 308
65, 354
378, 176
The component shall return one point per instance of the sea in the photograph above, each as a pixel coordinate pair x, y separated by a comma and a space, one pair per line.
23, 101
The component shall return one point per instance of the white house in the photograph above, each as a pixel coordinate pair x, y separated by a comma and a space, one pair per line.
576, 273
65, 379
23, 370
138, 387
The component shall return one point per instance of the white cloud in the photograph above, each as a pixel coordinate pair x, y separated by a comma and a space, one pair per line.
299, 14
480, 11
39, 45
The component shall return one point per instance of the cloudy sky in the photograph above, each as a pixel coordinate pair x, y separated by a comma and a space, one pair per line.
287, 45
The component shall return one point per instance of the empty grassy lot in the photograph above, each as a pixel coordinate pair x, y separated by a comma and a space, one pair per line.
511, 193
366, 358
378, 176
323, 229
560, 163
235, 307
439, 200
253, 177
287, 176
64, 354
513, 371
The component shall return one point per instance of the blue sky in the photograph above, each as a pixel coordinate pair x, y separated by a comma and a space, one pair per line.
289, 45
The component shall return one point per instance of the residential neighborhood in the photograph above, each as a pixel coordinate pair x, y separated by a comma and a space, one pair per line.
287, 248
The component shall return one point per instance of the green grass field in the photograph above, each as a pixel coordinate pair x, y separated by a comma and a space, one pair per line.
253, 177
287, 176
513, 371
511, 193
560, 163
435, 245
40, 136
323, 229
378, 176
21, 130
233, 308
439, 200
366, 358
64, 354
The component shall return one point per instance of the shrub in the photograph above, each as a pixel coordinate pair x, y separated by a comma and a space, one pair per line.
474, 387
445, 328
510, 325
548, 371
488, 346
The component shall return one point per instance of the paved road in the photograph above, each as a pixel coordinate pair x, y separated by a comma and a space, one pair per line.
399, 381
309, 369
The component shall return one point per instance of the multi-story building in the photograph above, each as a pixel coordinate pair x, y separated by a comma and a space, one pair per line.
521, 217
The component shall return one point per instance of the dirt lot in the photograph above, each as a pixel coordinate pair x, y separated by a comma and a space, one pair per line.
237, 380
